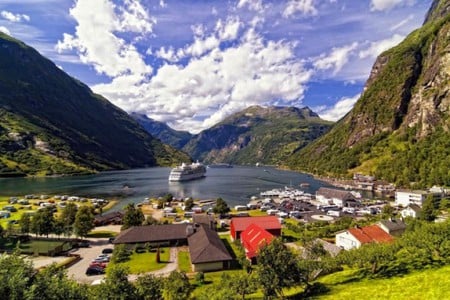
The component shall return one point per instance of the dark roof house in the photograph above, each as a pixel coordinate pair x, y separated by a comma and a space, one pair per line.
394, 227
169, 233
109, 218
206, 250
334, 196
204, 219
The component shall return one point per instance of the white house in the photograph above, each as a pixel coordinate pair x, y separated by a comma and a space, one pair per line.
337, 197
355, 237
413, 211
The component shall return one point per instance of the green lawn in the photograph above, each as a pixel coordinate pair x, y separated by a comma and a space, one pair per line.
35, 246
146, 261
184, 262
427, 284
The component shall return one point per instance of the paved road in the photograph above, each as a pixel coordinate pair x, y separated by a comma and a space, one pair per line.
77, 271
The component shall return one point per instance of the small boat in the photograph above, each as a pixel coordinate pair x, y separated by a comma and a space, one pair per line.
304, 184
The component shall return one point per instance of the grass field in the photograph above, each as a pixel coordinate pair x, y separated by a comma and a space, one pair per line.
146, 261
184, 262
428, 284
35, 246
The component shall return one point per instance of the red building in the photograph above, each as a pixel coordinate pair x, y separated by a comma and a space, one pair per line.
253, 238
268, 223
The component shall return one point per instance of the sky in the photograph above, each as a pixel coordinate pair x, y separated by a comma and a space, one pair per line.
191, 63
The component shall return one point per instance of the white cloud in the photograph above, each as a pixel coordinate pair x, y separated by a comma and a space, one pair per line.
208, 88
14, 17
384, 5
162, 4
5, 30
376, 48
254, 5
338, 110
305, 7
336, 59
402, 23
95, 37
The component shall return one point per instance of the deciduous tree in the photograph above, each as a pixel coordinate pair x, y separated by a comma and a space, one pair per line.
84, 221
133, 217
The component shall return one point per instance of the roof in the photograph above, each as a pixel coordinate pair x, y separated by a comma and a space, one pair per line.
206, 246
108, 216
416, 208
334, 193
393, 225
253, 238
265, 222
369, 234
152, 233
202, 219
329, 247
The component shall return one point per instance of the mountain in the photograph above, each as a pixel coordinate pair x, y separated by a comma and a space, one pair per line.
257, 134
160, 130
53, 124
399, 128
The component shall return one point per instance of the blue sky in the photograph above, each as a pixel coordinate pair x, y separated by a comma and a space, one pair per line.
192, 63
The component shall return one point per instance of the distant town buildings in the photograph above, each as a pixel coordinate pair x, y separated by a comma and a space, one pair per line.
329, 196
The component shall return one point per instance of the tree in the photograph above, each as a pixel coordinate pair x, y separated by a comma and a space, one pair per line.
67, 218
149, 287
133, 217
277, 269
150, 220
387, 212
25, 223
177, 286
15, 276
428, 212
120, 254
53, 283
84, 221
116, 285
221, 207
188, 204
43, 222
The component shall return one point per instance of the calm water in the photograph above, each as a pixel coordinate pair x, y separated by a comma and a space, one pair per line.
235, 185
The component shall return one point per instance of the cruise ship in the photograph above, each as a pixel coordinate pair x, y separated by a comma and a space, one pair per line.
187, 172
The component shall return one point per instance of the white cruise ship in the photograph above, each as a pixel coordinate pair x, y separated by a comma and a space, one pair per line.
187, 172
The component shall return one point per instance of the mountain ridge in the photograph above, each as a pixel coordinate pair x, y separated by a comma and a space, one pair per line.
257, 134
57, 125
399, 128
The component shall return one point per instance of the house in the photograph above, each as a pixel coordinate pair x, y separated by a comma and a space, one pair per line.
207, 251
253, 238
337, 197
269, 223
407, 197
204, 219
109, 218
394, 227
168, 234
356, 237
413, 211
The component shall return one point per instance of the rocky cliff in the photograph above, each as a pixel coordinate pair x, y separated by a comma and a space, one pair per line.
399, 128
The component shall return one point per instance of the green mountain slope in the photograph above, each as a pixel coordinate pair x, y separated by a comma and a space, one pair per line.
399, 128
257, 134
162, 131
54, 124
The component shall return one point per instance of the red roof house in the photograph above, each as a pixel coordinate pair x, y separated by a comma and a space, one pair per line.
268, 223
355, 237
253, 238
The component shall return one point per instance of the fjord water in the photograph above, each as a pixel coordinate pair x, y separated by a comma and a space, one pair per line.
235, 185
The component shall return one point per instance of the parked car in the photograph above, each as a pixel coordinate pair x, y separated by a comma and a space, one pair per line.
98, 264
107, 250
95, 271
84, 244
111, 240
101, 259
